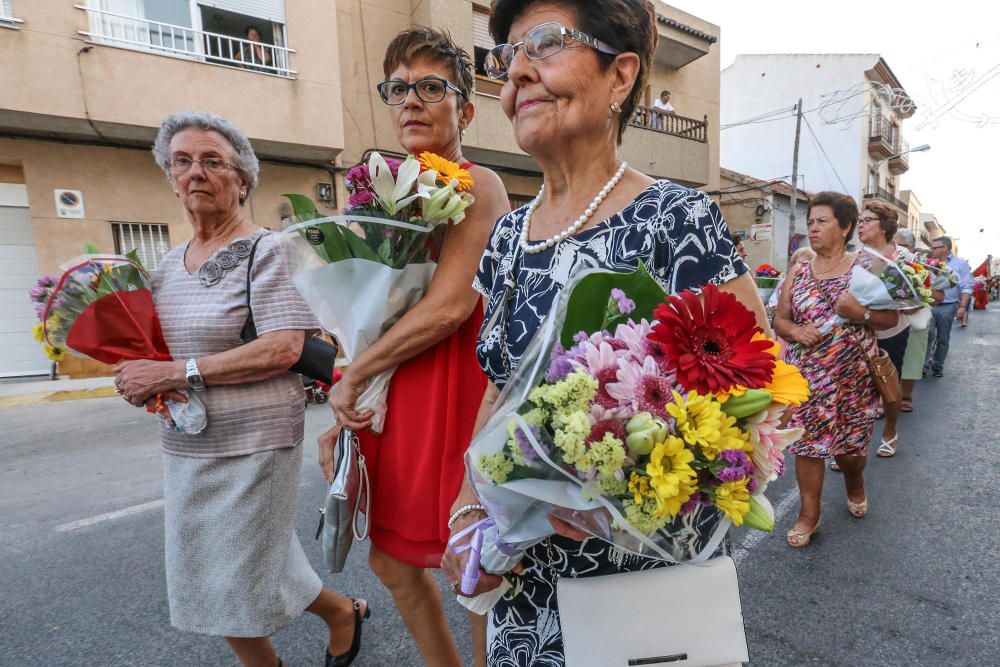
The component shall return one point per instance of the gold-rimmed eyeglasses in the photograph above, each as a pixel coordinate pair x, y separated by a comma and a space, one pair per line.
216, 165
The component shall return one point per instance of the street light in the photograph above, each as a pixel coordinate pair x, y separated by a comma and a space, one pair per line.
922, 148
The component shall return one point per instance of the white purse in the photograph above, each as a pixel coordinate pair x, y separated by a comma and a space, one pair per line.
681, 615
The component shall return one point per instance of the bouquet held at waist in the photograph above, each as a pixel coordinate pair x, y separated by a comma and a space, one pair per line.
649, 421
890, 285
942, 275
101, 307
361, 271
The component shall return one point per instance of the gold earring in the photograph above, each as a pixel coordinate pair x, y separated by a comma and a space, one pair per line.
617, 108
243, 193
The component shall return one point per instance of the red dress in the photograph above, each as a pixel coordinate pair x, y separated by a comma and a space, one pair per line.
416, 465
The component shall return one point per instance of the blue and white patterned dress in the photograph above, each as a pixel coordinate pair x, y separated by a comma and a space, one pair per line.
679, 234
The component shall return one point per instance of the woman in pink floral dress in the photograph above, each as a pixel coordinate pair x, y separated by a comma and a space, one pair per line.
830, 333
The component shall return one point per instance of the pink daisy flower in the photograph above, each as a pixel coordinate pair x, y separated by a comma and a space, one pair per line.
634, 335
601, 361
643, 386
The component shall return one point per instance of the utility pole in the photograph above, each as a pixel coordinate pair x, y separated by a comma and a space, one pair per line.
795, 175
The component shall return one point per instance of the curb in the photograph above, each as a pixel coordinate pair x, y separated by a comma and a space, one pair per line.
52, 396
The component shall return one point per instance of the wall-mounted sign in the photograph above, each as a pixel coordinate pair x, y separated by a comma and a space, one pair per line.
761, 231
69, 204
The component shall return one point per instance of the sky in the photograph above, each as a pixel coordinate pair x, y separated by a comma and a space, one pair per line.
947, 60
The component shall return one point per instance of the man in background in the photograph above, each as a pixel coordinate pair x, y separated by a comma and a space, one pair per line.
954, 305
662, 105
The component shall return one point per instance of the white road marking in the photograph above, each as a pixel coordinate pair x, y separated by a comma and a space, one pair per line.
755, 537
109, 516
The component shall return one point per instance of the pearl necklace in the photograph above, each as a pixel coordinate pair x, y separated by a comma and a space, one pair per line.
575, 227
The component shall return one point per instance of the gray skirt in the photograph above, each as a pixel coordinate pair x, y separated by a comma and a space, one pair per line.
235, 567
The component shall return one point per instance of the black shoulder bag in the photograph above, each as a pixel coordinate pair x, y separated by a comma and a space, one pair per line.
318, 356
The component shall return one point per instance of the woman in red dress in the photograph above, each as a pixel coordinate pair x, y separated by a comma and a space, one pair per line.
416, 464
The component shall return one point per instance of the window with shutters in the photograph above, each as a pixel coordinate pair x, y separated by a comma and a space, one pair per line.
481, 39
7, 19
150, 242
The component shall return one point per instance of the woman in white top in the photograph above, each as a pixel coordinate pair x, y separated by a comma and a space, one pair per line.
877, 226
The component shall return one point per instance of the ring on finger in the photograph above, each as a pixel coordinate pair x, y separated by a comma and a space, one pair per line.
453, 585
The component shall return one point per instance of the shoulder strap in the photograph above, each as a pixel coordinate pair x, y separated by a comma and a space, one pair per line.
249, 332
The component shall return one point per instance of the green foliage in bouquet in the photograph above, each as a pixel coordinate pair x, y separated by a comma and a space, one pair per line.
333, 241
588, 305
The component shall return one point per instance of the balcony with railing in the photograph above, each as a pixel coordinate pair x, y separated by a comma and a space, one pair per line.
872, 192
7, 18
881, 137
165, 39
670, 123
899, 163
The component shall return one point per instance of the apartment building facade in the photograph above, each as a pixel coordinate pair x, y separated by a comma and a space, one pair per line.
852, 137
86, 84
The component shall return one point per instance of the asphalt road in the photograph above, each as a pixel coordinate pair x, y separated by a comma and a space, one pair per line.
914, 583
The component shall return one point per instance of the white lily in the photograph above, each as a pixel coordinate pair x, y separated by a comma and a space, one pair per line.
446, 204
394, 194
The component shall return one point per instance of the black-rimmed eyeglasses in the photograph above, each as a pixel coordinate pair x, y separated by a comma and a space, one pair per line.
540, 42
429, 89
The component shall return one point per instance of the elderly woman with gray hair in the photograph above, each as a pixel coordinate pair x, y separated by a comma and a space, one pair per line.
234, 564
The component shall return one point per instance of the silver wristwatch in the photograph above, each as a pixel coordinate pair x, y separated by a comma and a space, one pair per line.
193, 375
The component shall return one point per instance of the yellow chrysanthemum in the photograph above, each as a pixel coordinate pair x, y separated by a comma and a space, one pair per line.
447, 170
733, 499
788, 386
38, 332
670, 475
55, 353
699, 418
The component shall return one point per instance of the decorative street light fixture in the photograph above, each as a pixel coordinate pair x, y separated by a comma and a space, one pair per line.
922, 148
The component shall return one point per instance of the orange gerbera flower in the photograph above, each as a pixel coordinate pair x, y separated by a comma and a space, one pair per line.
447, 170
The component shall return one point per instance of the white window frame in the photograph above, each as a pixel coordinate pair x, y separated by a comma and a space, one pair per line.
132, 231
7, 19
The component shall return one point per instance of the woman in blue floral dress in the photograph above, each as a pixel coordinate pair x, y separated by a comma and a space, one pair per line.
569, 92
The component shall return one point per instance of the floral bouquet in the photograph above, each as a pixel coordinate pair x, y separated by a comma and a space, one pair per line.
943, 275
767, 278
652, 422
363, 270
920, 279
101, 307
883, 285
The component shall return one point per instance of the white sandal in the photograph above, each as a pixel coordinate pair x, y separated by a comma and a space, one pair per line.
888, 447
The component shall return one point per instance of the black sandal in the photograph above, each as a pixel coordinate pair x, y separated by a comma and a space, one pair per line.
346, 659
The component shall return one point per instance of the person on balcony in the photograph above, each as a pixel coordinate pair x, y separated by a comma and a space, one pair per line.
255, 56
417, 463
662, 106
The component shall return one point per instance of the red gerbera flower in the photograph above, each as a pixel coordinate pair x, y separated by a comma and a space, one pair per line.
709, 342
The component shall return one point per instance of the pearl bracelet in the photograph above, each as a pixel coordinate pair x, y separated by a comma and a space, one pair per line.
462, 511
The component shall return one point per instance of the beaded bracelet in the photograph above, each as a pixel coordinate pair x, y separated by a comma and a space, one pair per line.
462, 511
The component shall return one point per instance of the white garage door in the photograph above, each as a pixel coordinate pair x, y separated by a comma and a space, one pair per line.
20, 354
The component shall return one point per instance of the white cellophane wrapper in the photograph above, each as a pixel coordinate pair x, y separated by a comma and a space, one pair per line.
521, 507
872, 292
355, 300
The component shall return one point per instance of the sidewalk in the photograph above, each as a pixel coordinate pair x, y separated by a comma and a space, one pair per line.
28, 393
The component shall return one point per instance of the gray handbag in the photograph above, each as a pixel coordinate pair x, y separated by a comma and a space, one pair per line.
340, 521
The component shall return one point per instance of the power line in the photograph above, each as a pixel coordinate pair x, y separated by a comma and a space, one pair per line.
770, 115
823, 151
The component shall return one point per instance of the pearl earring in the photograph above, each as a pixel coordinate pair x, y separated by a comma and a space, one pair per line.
617, 108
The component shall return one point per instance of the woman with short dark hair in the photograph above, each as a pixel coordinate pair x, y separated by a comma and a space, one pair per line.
832, 354
417, 462
572, 75
877, 227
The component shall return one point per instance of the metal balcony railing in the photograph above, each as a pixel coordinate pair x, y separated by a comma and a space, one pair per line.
670, 123
181, 42
881, 193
